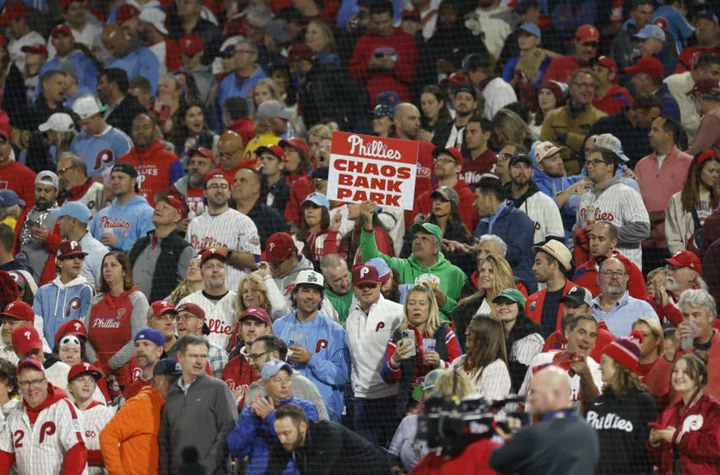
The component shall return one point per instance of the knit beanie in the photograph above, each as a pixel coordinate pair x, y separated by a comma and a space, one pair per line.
626, 350
558, 89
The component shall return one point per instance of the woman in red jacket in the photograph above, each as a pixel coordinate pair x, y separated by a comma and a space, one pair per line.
690, 426
116, 315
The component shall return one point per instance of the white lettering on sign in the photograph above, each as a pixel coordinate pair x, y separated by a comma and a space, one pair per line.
375, 148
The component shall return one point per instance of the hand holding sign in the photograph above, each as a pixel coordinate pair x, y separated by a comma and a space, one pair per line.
367, 208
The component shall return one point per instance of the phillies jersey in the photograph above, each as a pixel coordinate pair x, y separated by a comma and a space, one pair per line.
238, 375
40, 448
620, 205
230, 229
101, 151
219, 315
93, 421
157, 169
473, 169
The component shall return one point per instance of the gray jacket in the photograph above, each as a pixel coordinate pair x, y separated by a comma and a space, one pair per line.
201, 417
287, 283
302, 387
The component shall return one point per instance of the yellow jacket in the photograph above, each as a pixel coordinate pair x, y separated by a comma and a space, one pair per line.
129, 442
560, 121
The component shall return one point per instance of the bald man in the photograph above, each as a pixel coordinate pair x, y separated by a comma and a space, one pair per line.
231, 155
135, 59
561, 443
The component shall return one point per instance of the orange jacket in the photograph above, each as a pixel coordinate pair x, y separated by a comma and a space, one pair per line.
129, 442
534, 305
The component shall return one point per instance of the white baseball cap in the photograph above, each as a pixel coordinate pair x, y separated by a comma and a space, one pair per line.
58, 122
86, 107
156, 17
612, 144
545, 150
47, 177
310, 277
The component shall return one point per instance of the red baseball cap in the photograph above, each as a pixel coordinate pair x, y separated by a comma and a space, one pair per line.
453, 152
587, 33
205, 152
175, 202
35, 49
126, 12
161, 307
213, 253
365, 275
607, 62
648, 65
278, 247
196, 310
79, 369
273, 149
19, 310
217, 173
61, 30
12, 12
257, 313
69, 248
30, 363
299, 52
26, 339
297, 143
455, 79
190, 45
71, 327
685, 259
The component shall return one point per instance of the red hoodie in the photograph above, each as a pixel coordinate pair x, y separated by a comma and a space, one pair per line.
468, 214
244, 127
238, 375
401, 76
153, 166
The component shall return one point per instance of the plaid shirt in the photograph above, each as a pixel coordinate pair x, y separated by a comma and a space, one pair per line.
218, 358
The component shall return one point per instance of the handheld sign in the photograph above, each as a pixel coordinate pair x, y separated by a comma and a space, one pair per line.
377, 169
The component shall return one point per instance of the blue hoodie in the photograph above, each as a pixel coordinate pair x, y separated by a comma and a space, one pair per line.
129, 222
57, 303
329, 366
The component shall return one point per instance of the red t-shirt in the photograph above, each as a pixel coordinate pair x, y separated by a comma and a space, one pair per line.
19, 178
473, 169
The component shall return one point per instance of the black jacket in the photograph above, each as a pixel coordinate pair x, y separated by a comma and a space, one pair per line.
267, 220
451, 44
622, 427
329, 449
123, 115
280, 192
14, 95
329, 93
30, 117
563, 445
164, 278
635, 142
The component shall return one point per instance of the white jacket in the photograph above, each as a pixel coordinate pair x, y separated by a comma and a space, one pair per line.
220, 315
545, 215
367, 339
679, 86
679, 224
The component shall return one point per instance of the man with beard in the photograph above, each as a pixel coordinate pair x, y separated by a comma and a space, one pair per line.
76, 185
683, 272
496, 92
222, 227
161, 259
148, 351
464, 104
614, 306
129, 216
586, 379
120, 107
130, 55
406, 125
37, 232
480, 159
526, 196
318, 344
157, 168
191, 321
231, 153
66, 297
238, 373
218, 303
191, 187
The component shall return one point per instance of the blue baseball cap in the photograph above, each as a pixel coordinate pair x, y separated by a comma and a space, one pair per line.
10, 198
317, 198
150, 334
384, 271
531, 28
651, 31
74, 209
167, 367
388, 98
383, 111
273, 367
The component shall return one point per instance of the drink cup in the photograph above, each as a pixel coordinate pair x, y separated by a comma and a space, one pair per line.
429, 344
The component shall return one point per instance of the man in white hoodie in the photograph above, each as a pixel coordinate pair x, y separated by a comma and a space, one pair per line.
66, 297
370, 324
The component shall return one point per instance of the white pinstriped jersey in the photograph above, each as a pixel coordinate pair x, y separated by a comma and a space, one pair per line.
230, 229
93, 420
40, 448
219, 315
620, 205
545, 215
524, 350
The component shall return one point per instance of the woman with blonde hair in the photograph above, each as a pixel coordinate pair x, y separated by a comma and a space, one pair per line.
193, 282
320, 38
264, 90
495, 275
507, 126
652, 344
486, 358
422, 343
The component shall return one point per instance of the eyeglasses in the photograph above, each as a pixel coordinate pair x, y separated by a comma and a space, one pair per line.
61, 171
219, 186
595, 162
256, 356
504, 156
443, 161
183, 318
229, 154
610, 274
34, 382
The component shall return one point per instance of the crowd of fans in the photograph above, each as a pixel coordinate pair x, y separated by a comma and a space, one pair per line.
179, 293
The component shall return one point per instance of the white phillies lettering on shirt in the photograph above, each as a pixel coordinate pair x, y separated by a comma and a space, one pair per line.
106, 323
608, 421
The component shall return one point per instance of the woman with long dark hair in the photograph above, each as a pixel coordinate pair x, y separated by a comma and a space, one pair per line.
170, 98
550, 95
190, 130
350, 243
315, 234
698, 199
485, 360
621, 414
523, 337
435, 113
116, 314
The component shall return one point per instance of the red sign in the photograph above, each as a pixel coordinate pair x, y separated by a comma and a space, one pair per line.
366, 168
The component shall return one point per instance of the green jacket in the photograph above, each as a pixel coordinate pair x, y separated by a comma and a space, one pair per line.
340, 302
451, 277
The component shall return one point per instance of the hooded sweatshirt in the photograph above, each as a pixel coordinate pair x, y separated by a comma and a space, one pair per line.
287, 283
57, 303
159, 169
129, 222
450, 278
